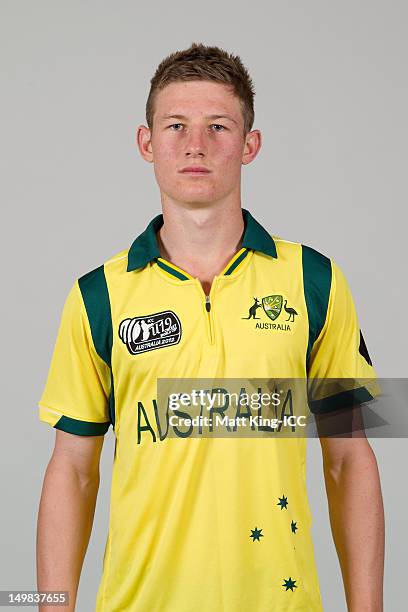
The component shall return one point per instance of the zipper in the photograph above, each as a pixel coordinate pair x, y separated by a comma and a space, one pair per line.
209, 316
208, 308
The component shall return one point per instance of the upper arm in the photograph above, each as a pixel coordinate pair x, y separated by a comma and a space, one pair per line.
80, 453
335, 449
337, 452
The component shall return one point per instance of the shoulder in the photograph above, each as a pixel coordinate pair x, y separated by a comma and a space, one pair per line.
316, 271
313, 261
121, 256
113, 265
94, 285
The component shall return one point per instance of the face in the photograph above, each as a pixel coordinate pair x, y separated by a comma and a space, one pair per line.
197, 124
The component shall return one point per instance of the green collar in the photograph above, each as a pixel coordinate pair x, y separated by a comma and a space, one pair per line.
145, 248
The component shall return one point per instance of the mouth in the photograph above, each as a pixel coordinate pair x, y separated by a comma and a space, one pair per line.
195, 171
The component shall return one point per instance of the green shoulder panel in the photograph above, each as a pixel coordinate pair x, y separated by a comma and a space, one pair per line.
95, 294
317, 279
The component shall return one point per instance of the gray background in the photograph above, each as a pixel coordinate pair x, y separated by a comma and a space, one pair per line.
331, 102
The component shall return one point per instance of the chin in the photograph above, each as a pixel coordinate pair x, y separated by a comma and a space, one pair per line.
194, 195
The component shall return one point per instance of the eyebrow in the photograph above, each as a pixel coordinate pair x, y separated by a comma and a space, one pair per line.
208, 117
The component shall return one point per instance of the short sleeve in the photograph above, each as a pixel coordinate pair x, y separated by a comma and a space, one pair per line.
340, 368
75, 398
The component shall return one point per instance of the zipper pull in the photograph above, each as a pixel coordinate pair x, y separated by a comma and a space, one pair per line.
207, 303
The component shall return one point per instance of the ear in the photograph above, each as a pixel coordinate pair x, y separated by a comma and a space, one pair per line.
144, 142
253, 142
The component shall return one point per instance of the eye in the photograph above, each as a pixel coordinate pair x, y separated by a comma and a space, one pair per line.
217, 125
173, 124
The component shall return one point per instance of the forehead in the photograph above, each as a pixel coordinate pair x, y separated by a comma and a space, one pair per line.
200, 97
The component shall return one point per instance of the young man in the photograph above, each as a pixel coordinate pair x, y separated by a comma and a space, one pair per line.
198, 522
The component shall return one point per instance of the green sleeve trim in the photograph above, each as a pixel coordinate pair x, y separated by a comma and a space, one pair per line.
95, 294
82, 428
345, 399
317, 279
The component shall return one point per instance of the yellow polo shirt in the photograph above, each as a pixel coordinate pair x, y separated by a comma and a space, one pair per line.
201, 523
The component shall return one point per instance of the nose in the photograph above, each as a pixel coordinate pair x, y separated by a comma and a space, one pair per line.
196, 143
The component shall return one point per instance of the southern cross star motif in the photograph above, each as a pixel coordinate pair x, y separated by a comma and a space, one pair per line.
256, 534
289, 584
283, 502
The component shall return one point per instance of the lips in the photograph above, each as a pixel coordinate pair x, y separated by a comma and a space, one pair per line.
195, 170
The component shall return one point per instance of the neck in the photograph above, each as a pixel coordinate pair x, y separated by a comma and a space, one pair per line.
201, 240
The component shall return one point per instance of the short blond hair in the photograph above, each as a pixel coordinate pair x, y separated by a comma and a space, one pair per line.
205, 63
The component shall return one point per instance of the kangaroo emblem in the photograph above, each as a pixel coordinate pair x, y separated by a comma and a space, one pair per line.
253, 309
